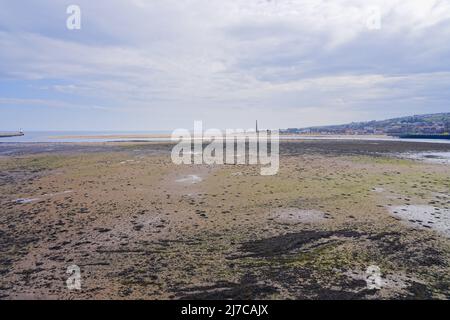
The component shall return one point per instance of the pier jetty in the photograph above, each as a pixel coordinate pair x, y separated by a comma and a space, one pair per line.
11, 134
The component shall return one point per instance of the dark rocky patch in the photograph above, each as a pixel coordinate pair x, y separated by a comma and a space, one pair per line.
357, 147
247, 289
290, 242
419, 291
409, 254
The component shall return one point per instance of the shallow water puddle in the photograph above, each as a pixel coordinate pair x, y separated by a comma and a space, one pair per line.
424, 216
129, 162
47, 195
431, 157
191, 179
26, 200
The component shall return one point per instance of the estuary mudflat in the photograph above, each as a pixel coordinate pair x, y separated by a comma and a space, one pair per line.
140, 227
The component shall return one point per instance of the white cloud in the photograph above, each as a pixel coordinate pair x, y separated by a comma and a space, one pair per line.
210, 57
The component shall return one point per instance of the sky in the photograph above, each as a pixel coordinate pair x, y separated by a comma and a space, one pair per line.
141, 65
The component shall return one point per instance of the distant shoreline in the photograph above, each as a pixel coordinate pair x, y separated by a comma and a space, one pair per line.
112, 136
163, 137
337, 136
168, 136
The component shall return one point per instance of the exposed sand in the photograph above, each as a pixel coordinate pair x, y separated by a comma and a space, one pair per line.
137, 232
294, 216
114, 136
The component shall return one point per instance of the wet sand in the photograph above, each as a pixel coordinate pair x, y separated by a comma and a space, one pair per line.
113, 136
140, 227
168, 136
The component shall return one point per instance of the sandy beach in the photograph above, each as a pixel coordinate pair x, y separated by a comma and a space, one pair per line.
112, 136
140, 227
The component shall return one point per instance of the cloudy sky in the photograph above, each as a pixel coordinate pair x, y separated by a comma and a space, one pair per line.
161, 64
